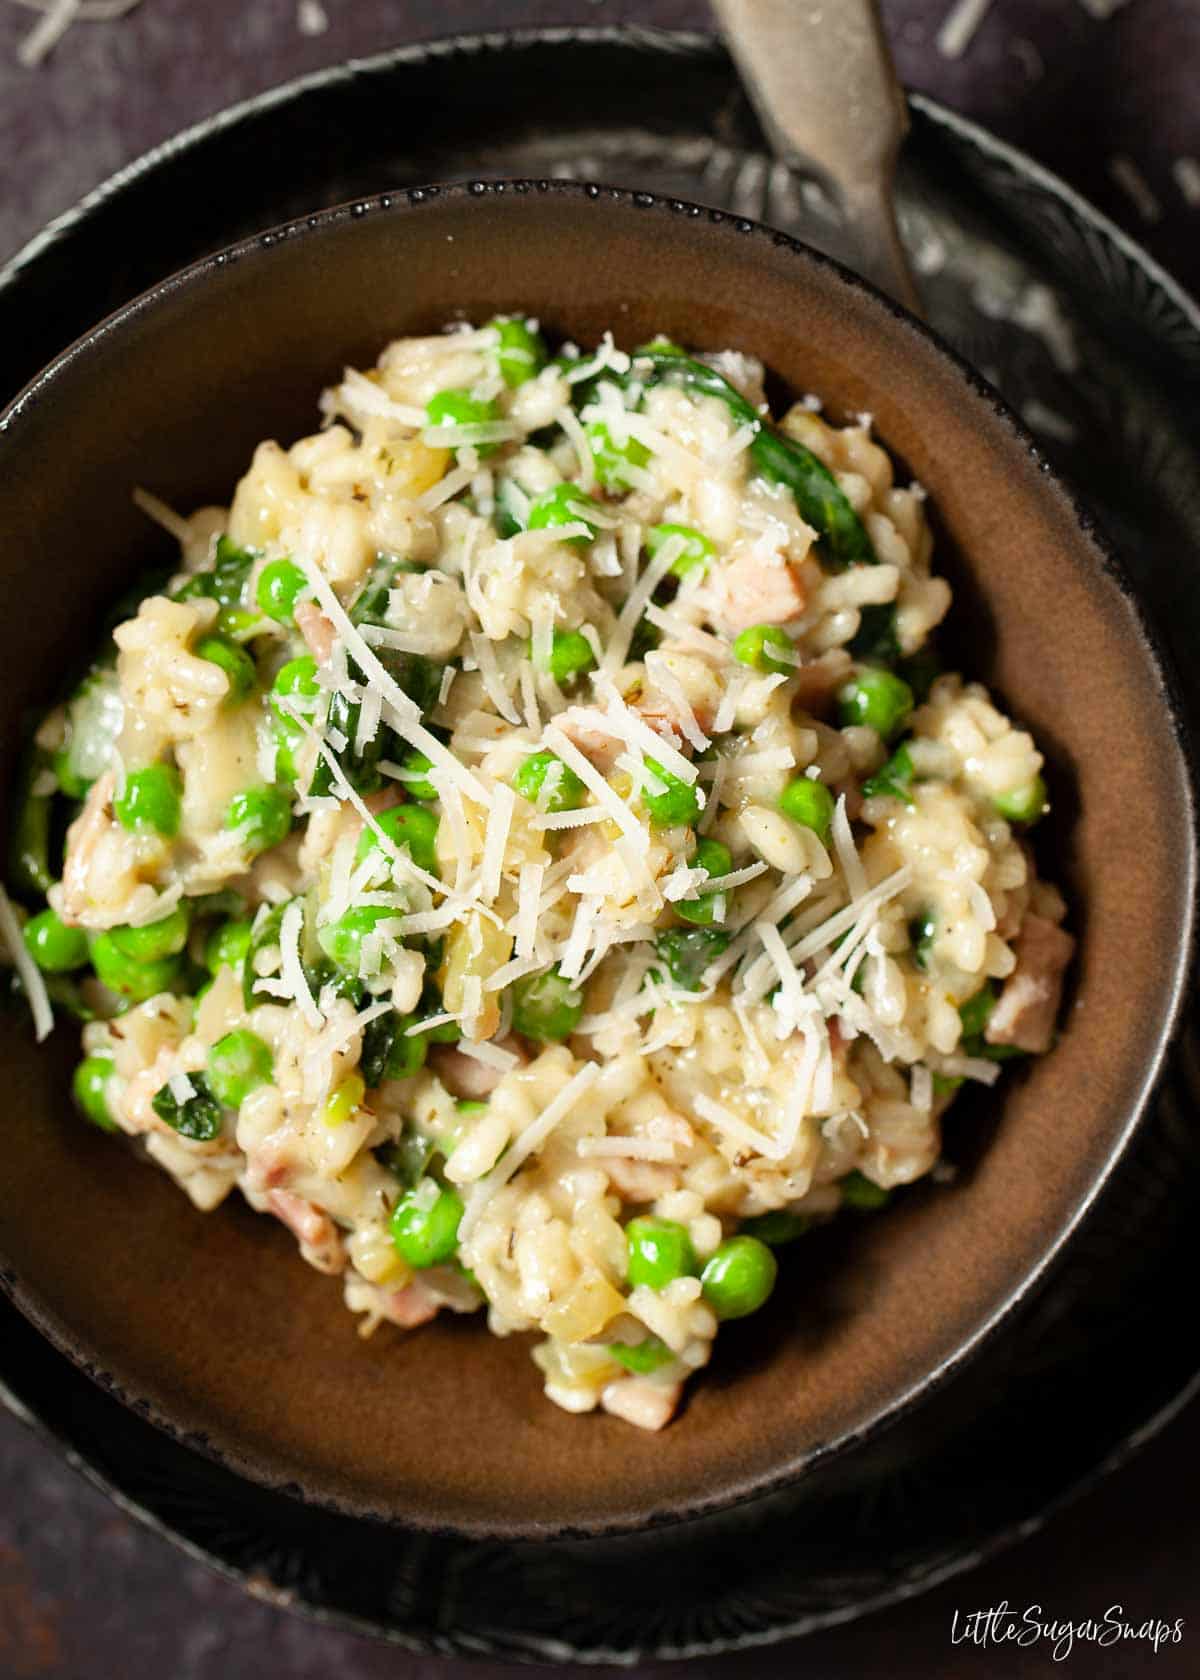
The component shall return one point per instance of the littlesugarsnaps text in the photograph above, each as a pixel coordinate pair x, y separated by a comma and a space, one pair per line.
1001, 1624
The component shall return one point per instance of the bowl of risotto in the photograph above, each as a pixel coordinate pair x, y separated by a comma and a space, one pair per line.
579, 772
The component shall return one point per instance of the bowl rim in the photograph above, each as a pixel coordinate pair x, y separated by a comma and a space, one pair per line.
490, 191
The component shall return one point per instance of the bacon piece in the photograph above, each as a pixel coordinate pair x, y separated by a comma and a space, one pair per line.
1027, 1007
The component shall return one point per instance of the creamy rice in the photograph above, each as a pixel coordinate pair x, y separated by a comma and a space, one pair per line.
530, 849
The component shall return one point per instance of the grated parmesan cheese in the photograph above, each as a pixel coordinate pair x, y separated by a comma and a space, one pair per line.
638, 600
291, 966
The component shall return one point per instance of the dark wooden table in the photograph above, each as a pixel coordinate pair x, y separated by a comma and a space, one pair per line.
87, 1594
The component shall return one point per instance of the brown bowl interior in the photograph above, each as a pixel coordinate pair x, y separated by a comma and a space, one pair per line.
211, 1322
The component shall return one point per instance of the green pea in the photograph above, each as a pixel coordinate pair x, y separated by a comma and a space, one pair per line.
550, 784
687, 952
703, 911
875, 699
697, 550
809, 803
344, 1100
226, 946
89, 1085
233, 660
54, 947
1024, 804
660, 1250
239, 624
765, 647
164, 938
566, 504
424, 1225
739, 1277
613, 460
470, 1108
522, 351
777, 1228
261, 817
675, 804
863, 1194
570, 656
546, 1006
280, 585
416, 767
409, 827
342, 940
132, 979
460, 408
151, 799
641, 1357
238, 1064
295, 680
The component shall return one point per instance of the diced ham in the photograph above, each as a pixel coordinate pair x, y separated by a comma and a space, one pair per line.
663, 716
1027, 1007
596, 745
384, 800
271, 1163
754, 588
411, 1306
316, 629
314, 1231
467, 1078
818, 681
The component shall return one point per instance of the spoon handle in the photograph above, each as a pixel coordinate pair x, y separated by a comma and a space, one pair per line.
820, 76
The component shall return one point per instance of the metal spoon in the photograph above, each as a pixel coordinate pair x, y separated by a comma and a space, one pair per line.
821, 78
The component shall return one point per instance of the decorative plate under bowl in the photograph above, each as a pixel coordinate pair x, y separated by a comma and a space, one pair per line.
1098, 350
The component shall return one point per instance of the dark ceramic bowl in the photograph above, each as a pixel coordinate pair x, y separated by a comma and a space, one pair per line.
208, 1323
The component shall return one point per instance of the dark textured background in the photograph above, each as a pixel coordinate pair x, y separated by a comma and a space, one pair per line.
85, 1594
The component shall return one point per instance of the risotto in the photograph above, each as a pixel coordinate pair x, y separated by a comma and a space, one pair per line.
530, 849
